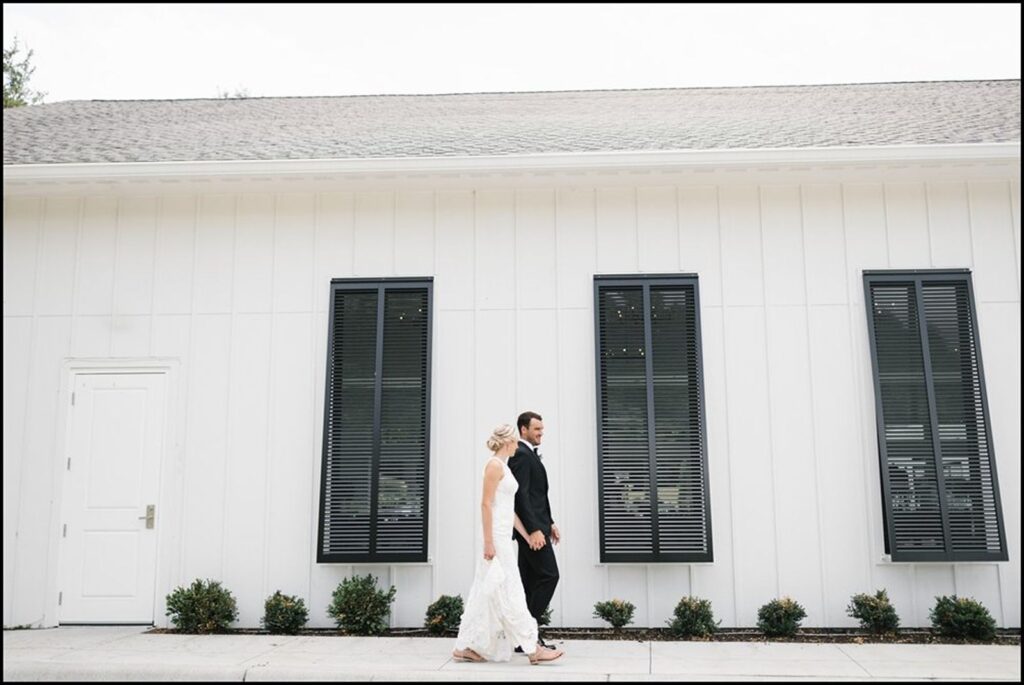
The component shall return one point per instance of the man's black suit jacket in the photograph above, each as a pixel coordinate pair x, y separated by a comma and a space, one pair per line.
532, 506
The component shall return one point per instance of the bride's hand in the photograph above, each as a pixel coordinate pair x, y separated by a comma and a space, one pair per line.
488, 550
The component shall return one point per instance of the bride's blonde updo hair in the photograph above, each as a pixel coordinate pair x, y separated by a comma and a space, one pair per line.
502, 434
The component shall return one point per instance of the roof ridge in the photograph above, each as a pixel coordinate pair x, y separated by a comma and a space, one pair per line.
547, 92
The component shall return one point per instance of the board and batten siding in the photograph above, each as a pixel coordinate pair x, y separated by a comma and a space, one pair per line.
237, 288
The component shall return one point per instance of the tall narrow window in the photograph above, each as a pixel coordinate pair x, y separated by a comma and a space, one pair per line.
940, 495
373, 492
652, 455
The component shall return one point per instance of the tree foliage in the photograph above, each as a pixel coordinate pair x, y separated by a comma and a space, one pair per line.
16, 77
237, 93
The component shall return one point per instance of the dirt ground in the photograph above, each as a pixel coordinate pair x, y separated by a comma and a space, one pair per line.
834, 635
820, 635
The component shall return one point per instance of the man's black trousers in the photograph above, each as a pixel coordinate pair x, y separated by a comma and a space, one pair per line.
539, 572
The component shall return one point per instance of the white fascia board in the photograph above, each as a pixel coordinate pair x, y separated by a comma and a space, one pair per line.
532, 163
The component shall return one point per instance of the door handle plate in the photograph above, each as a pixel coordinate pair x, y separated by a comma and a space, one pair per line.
150, 516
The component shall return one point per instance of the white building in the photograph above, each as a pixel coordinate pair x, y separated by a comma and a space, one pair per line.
170, 327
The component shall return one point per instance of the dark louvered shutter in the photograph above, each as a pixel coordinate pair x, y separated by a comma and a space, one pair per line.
939, 489
402, 472
654, 500
376, 423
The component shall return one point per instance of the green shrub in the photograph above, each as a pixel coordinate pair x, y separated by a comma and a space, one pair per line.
283, 614
358, 607
962, 617
693, 618
617, 612
875, 613
444, 615
205, 607
545, 618
780, 617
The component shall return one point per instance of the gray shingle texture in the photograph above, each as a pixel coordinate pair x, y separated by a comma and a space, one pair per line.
376, 126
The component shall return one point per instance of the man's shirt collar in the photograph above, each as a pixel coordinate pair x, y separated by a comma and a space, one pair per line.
533, 448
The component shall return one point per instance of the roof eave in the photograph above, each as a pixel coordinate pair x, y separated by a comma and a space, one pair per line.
539, 163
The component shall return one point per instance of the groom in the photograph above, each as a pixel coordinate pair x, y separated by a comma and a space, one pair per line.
537, 566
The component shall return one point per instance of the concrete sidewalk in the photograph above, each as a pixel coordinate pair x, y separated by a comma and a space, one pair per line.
127, 653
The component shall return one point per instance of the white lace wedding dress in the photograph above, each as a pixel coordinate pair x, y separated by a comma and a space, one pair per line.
496, 618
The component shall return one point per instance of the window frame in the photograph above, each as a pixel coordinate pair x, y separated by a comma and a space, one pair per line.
646, 281
382, 285
919, 277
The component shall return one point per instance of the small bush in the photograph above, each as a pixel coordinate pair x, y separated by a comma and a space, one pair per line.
962, 617
444, 615
875, 613
780, 617
693, 618
358, 607
283, 614
205, 607
545, 618
617, 612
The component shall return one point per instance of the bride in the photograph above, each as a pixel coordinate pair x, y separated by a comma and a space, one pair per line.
496, 618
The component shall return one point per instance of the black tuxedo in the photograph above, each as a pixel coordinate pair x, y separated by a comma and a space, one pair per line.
538, 569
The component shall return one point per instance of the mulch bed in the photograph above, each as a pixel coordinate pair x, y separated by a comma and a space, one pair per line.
919, 636
813, 635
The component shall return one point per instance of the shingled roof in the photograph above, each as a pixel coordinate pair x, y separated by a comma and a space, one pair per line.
381, 126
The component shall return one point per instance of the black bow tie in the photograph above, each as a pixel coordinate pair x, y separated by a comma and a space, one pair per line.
537, 452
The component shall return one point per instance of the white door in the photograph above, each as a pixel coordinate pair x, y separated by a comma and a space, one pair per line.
110, 515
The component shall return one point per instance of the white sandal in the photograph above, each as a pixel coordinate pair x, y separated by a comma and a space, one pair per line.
467, 655
535, 658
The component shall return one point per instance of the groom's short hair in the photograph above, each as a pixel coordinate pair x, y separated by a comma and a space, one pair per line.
524, 420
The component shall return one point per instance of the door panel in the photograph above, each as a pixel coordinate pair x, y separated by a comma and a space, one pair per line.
108, 544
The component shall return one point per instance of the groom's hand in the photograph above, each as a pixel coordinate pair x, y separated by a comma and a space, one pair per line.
536, 540
556, 537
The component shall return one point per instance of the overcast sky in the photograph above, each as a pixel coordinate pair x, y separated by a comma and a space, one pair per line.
84, 52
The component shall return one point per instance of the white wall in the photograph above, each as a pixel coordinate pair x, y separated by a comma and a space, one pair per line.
236, 288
